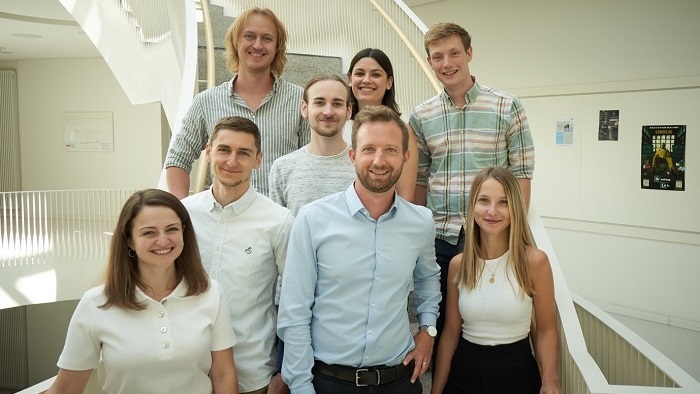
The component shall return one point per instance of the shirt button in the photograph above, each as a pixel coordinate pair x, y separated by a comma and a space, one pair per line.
164, 329
161, 314
373, 305
166, 345
370, 331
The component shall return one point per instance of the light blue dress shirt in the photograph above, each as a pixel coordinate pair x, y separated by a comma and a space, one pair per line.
346, 284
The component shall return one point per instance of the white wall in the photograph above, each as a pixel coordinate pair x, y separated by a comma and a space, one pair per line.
50, 87
634, 252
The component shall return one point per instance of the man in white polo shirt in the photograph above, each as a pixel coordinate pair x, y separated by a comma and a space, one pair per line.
242, 237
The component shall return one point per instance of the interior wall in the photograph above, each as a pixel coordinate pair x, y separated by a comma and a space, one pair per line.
44, 346
47, 89
632, 251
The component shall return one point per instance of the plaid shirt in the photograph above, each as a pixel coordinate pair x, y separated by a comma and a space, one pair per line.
454, 144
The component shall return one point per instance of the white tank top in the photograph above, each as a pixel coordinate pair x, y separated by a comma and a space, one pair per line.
495, 313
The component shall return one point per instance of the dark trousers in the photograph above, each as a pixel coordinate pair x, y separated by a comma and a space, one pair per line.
444, 252
324, 384
497, 369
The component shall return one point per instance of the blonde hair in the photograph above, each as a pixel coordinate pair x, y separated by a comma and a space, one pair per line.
234, 31
520, 237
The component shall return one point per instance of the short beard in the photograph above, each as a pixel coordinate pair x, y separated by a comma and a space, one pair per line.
382, 187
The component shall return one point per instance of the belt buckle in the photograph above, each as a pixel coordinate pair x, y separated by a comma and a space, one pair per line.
357, 377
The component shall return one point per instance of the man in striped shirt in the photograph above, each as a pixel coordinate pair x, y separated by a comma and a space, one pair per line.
460, 131
256, 45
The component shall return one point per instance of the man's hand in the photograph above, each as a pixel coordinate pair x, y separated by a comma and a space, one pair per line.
277, 386
420, 354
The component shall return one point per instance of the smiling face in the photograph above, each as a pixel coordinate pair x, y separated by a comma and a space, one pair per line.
233, 156
257, 44
491, 211
369, 82
378, 155
156, 236
326, 106
450, 61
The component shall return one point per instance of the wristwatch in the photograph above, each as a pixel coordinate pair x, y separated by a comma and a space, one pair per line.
431, 330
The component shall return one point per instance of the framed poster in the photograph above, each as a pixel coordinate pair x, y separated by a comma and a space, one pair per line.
663, 157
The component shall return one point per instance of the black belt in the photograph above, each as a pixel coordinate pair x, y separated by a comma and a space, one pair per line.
369, 376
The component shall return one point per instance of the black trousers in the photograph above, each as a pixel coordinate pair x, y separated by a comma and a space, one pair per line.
478, 369
324, 384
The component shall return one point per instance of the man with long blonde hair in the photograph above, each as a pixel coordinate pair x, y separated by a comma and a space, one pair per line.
256, 45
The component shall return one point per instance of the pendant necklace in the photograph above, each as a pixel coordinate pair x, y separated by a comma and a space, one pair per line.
493, 273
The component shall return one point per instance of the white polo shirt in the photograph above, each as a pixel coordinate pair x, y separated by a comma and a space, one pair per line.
165, 348
243, 246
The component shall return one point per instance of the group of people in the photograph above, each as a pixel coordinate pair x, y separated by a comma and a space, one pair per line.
353, 208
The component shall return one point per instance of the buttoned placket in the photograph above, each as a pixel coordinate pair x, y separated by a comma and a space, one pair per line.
162, 326
219, 237
379, 263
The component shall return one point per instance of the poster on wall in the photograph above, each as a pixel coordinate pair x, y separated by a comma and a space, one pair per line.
608, 122
663, 157
88, 132
565, 131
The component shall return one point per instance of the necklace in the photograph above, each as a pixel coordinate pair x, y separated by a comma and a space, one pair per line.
493, 273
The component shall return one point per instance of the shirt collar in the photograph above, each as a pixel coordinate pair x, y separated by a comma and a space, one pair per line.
238, 206
275, 85
471, 96
180, 291
355, 205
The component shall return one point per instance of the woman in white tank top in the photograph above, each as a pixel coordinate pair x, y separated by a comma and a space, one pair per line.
494, 288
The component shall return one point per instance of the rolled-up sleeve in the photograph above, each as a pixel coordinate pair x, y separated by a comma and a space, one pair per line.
192, 138
521, 150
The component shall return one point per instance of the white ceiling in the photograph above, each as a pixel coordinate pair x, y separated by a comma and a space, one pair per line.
60, 34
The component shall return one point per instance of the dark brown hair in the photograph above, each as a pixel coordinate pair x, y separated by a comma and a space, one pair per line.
122, 274
240, 124
389, 98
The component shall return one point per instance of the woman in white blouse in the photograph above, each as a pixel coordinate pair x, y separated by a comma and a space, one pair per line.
494, 288
158, 323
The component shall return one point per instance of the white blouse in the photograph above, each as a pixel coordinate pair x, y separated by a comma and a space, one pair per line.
165, 348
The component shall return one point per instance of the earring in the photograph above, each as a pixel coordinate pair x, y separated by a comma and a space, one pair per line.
131, 253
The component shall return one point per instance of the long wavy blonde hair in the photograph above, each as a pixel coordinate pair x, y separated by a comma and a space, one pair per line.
520, 237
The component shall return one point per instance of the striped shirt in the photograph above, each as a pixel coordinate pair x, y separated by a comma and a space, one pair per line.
279, 119
454, 144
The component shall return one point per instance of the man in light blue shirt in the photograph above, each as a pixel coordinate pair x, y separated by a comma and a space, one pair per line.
350, 262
